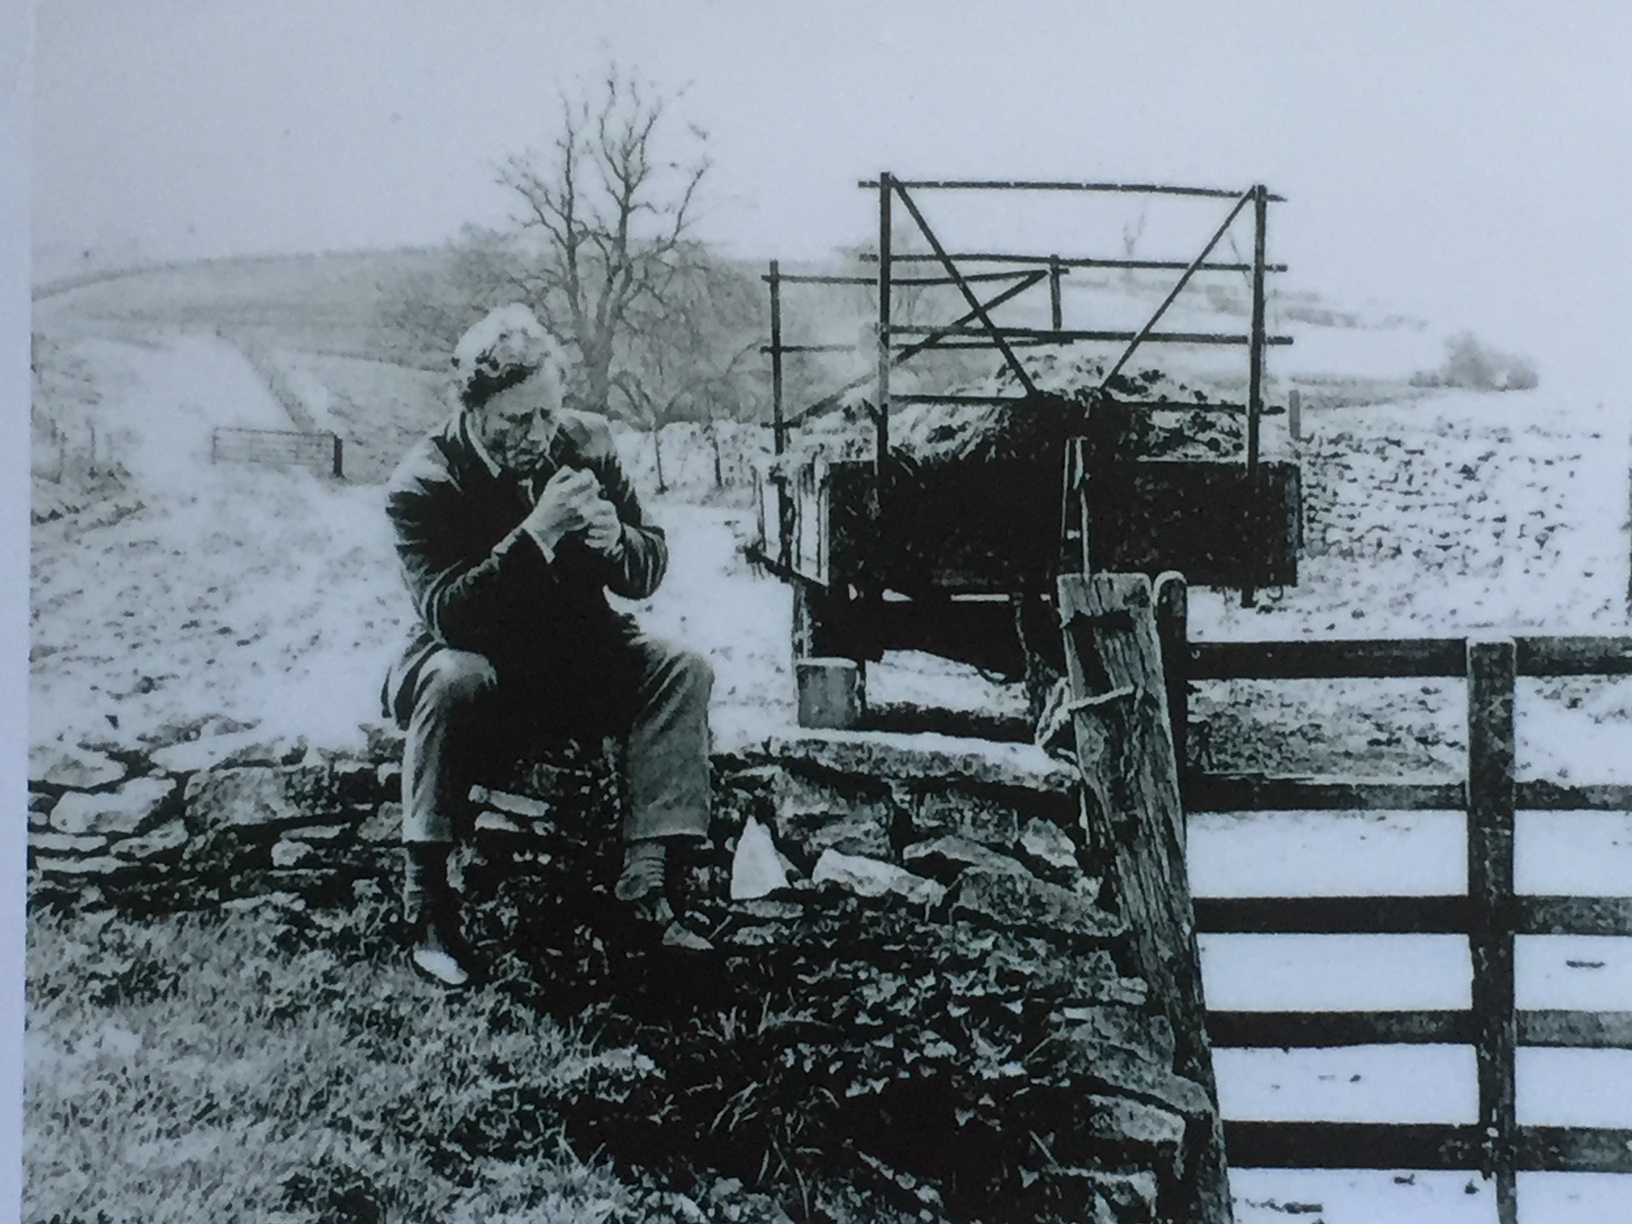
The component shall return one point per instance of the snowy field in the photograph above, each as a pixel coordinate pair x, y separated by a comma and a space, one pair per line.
202, 600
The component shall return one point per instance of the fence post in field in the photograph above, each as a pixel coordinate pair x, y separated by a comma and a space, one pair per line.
1130, 775
339, 457
1491, 667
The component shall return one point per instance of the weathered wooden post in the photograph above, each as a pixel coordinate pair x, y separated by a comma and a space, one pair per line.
1491, 669
1130, 774
1294, 414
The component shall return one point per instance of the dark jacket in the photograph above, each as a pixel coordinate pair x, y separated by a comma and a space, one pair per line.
481, 584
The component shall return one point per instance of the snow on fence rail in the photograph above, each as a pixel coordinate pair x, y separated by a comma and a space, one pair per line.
323, 450
1490, 914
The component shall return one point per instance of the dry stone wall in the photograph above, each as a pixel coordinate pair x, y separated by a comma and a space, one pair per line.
928, 991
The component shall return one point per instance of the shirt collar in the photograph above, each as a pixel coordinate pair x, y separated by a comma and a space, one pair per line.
490, 463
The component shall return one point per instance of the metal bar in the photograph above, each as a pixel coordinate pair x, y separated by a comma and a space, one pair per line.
796, 279
1542, 795
1227, 793
1436, 915
1040, 333
1576, 1030
929, 342
1055, 314
1490, 892
807, 348
1350, 1145
1045, 185
1330, 1030
1574, 656
1184, 279
1353, 657
968, 293
1075, 261
778, 429
885, 270
1255, 376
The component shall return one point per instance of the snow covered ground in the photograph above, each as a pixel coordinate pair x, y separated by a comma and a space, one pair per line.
204, 600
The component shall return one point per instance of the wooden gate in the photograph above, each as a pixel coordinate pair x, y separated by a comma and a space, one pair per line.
1491, 914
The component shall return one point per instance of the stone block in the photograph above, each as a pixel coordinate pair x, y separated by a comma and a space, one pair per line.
1016, 902
71, 768
122, 811
756, 868
1049, 851
79, 868
40, 803
171, 835
232, 750
56, 844
382, 825
1117, 1119
264, 796
924, 757
1135, 1070
321, 833
959, 814
946, 858
811, 817
870, 877
286, 853
830, 693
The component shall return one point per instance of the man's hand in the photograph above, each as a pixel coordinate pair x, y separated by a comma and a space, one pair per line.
565, 508
604, 532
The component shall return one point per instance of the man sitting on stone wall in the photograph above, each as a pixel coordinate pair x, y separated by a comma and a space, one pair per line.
512, 521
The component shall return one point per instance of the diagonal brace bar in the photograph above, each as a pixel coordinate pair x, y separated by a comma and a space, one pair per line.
930, 341
1184, 280
980, 310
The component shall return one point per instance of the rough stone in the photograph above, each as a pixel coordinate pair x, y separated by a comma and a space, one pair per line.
171, 835
1050, 851
39, 803
231, 750
1129, 1068
811, 817
267, 796
72, 768
1117, 1118
755, 867
383, 824
286, 853
100, 865
317, 833
945, 858
869, 877
66, 843
1012, 901
968, 816
120, 811
928, 756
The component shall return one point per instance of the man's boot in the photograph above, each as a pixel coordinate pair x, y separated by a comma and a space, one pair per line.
643, 887
439, 949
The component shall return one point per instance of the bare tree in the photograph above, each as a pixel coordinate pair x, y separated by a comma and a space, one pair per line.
609, 210
691, 356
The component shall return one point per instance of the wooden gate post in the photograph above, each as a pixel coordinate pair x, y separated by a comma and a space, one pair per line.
1125, 752
1490, 891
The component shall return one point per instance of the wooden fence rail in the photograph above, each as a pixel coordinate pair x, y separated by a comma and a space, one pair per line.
1490, 914
322, 451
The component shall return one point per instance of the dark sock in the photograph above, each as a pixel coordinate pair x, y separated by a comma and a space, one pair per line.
425, 882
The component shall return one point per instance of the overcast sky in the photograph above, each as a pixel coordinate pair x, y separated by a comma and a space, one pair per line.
1465, 161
